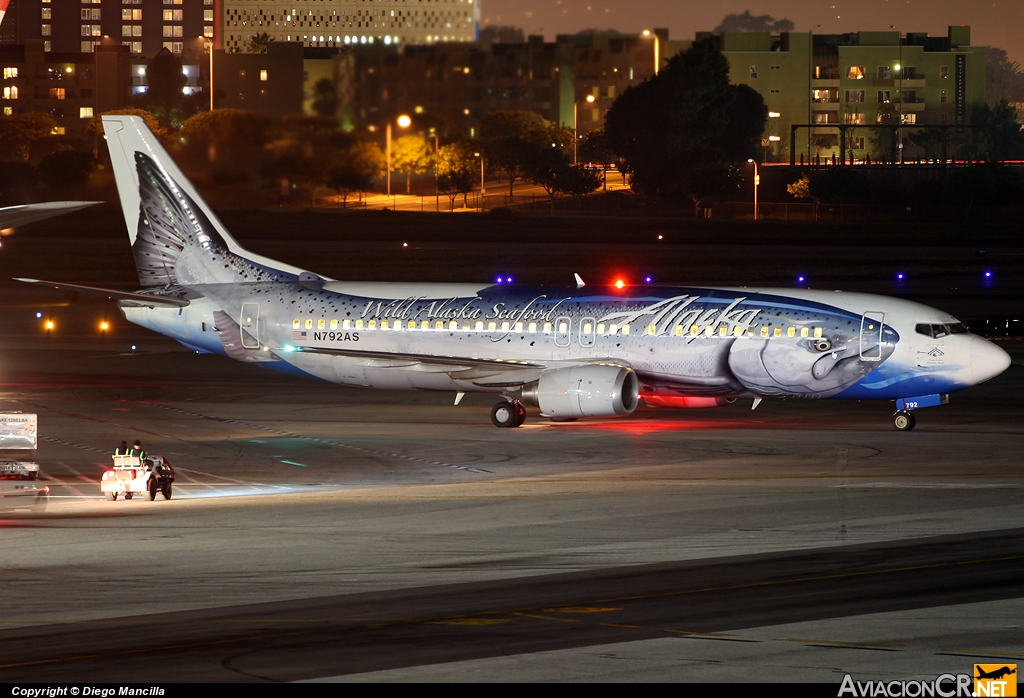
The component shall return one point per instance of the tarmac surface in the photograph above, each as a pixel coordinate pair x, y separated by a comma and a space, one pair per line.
333, 534
319, 532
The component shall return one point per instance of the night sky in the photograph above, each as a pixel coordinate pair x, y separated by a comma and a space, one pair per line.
997, 23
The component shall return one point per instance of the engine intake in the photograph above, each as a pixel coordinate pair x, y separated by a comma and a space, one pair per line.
584, 391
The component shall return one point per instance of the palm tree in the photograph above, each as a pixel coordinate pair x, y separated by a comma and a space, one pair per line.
258, 43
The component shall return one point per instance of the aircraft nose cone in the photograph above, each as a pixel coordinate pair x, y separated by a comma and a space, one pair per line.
987, 360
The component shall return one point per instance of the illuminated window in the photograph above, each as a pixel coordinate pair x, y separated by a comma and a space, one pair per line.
208, 32
547, 328
625, 329
694, 330
359, 324
126, 30
532, 328
791, 331
504, 327
778, 332
334, 324
346, 324
479, 326
855, 72
677, 330
439, 325
652, 329
491, 326
384, 325
612, 328
737, 331
296, 324
723, 331
519, 327
371, 325
45, 30
57, 93
11, 92
817, 333
207, 15
309, 323
48, 13
398, 325
804, 331
321, 324
563, 327
453, 325
8, 111
263, 76
425, 325
10, 72
465, 325
764, 330
85, 112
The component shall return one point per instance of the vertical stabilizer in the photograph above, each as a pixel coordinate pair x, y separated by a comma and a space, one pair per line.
175, 236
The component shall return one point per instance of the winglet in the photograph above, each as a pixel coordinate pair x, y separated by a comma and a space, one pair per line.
579, 281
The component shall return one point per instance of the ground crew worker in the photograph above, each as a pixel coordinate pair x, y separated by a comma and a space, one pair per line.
121, 450
137, 450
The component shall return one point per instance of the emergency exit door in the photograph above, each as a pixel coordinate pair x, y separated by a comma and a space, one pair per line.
249, 322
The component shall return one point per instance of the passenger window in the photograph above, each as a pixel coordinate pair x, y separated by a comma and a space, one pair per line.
778, 332
625, 329
359, 324
563, 327
453, 325
296, 324
465, 326
764, 330
372, 325
504, 327
652, 329
678, 330
791, 331
334, 324
817, 333
439, 325
613, 328
412, 324
492, 326
321, 324
398, 325
694, 330
532, 327
547, 328
346, 324
384, 325
804, 331
519, 327
309, 323
425, 325
479, 326
723, 331
737, 331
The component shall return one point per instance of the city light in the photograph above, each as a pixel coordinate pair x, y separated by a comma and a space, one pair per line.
404, 121
801, 279
104, 326
988, 274
648, 279
900, 277
39, 315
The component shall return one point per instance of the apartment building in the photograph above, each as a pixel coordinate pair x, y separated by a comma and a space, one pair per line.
333, 23
143, 26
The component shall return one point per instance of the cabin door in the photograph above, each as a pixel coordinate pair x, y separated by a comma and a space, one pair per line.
871, 326
249, 322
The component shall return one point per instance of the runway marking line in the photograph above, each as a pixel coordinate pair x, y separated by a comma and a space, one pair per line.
470, 621
619, 625
521, 612
837, 643
579, 609
981, 653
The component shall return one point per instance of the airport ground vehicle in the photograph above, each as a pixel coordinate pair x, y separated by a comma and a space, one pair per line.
131, 476
19, 471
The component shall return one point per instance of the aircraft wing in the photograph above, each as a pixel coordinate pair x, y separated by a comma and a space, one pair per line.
140, 299
20, 215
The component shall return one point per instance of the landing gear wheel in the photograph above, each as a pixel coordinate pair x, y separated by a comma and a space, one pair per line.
904, 421
127, 495
520, 414
166, 490
112, 496
504, 415
152, 490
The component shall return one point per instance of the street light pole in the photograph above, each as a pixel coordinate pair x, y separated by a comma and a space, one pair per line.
899, 92
403, 122
657, 49
757, 182
575, 127
209, 45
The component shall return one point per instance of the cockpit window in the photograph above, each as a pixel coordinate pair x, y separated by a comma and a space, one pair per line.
940, 330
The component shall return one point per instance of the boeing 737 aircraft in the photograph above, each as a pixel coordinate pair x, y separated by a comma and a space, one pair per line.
573, 352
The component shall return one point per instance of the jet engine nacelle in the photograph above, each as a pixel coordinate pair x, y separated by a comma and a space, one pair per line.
584, 391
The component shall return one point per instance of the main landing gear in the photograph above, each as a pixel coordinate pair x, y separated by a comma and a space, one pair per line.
508, 414
904, 420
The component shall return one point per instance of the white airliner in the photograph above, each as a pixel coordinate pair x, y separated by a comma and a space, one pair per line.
573, 351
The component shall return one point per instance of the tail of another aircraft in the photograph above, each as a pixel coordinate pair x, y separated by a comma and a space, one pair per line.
175, 236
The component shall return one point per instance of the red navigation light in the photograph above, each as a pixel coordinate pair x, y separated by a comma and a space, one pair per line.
619, 283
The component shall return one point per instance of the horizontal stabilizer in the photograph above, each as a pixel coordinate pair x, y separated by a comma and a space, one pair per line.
29, 213
139, 298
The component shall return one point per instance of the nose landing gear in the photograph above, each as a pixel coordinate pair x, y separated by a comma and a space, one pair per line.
904, 421
508, 414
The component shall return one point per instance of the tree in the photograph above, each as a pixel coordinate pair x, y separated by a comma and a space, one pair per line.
325, 98
685, 128
65, 170
164, 96
456, 170
883, 142
234, 135
258, 43
1004, 79
355, 169
19, 131
549, 165
595, 148
927, 139
501, 34
17, 179
511, 137
822, 141
411, 155
747, 22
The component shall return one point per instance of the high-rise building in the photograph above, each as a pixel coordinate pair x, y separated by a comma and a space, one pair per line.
347, 22
78, 26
